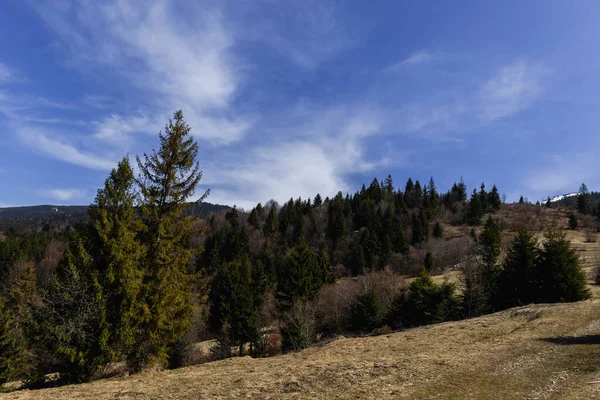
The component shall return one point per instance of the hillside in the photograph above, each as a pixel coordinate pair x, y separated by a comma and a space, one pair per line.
533, 352
37, 217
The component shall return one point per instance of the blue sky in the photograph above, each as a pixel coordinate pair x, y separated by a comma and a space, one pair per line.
294, 98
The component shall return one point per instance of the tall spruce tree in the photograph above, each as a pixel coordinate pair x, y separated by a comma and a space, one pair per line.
271, 227
13, 358
583, 199
299, 277
168, 178
516, 281
494, 198
117, 258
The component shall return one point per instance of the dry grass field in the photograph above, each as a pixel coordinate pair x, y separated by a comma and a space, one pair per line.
533, 352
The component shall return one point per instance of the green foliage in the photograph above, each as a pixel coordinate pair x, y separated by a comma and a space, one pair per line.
516, 281
116, 252
70, 318
168, 177
254, 220
438, 231
583, 199
236, 301
558, 272
428, 262
476, 209
419, 229
425, 303
366, 311
299, 278
13, 359
490, 241
573, 221
271, 227
521, 200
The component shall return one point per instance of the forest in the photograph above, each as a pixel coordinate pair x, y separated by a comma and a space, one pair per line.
143, 277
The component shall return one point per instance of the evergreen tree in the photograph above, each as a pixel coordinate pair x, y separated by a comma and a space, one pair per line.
476, 209
490, 241
236, 301
253, 219
116, 256
521, 200
70, 320
572, 221
438, 231
299, 278
13, 359
325, 268
366, 312
428, 262
389, 185
271, 227
318, 201
483, 198
419, 229
548, 203
494, 199
516, 281
558, 272
168, 178
583, 199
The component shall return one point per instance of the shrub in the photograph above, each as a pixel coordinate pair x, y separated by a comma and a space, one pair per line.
424, 303
366, 312
299, 328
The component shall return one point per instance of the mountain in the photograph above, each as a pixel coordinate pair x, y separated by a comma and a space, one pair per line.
559, 197
59, 217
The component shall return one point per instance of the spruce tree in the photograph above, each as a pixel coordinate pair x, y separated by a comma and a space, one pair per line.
494, 199
438, 231
483, 198
558, 272
583, 199
521, 200
516, 281
476, 209
325, 268
168, 178
117, 256
428, 262
318, 201
236, 301
271, 227
299, 277
253, 219
572, 221
13, 358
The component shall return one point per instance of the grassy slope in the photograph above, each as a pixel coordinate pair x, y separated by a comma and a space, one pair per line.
533, 352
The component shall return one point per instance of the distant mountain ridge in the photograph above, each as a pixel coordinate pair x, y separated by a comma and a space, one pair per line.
59, 217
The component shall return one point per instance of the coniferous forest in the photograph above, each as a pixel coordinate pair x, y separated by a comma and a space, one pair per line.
142, 279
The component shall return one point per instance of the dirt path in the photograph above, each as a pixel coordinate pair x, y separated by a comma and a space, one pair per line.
535, 352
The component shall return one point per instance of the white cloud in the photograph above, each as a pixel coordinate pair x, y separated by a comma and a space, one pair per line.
62, 150
512, 89
419, 57
62, 194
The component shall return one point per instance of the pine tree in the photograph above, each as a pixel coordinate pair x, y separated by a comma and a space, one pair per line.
271, 227
494, 199
572, 221
438, 231
236, 301
583, 199
516, 281
428, 262
253, 219
13, 358
521, 200
299, 278
483, 198
168, 178
558, 272
117, 258
476, 210
70, 320
318, 201
325, 267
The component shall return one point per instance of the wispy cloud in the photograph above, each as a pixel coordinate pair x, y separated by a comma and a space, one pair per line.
62, 194
512, 89
419, 57
63, 150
